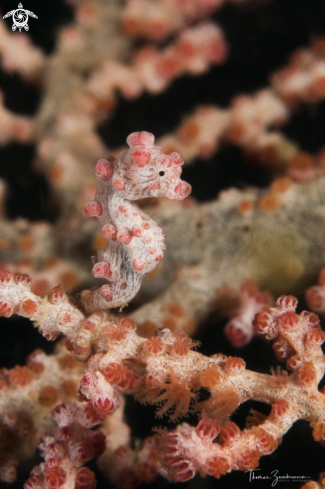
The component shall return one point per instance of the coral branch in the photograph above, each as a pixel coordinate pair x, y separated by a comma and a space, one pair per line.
27, 395
14, 127
175, 373
153, 70
18, 55
65, 452
53, 314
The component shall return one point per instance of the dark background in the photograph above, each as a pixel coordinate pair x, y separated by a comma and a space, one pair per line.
260, 37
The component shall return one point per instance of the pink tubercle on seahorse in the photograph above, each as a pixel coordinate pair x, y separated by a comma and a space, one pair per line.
136, 242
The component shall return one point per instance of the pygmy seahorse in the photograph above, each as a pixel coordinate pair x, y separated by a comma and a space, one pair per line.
136, 242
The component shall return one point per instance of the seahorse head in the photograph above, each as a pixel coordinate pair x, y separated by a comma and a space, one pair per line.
145, 171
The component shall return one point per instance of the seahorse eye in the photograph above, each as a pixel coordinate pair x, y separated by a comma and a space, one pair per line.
161, 173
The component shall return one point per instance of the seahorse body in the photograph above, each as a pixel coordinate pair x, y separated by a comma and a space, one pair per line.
136, 242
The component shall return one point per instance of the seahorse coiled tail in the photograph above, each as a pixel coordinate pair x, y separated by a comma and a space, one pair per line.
136, 242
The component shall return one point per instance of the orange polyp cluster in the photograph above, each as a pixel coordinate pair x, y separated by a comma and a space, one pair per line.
5, 277
22, 278
264, 325
280, 185
265, 441
67, 319
154, 345
85, 479
115, 373
180, 468
175, 390
48, 395
175, 398
229, 432
7, 308
211, 377
248, 459
55, 477
40, 287
239, 329
30, 308
183, 344
221, 403
175, 309
57, 295
286, 327
20, 376
36, 368
234, 364
69, 388
68, 362
289, 322
279, 409
314, 338
127, 384
269, 203
72, 445
147, 472
283, 350
307, 375
245, 206
294, 362
104, 405
119, 331
217, 466
105, 402
69, 279
173, 379
208, 428
148, 328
